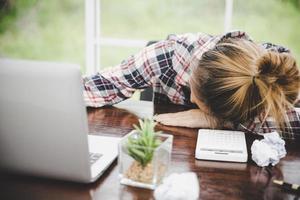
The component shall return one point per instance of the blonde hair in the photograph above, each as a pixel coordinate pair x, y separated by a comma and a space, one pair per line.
239, 80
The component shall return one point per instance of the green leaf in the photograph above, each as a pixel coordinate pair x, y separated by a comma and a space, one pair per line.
142, 148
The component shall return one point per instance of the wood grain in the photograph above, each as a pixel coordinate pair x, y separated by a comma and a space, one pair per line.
218, 180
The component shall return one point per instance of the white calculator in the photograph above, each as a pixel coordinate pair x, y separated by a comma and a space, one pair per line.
221, 145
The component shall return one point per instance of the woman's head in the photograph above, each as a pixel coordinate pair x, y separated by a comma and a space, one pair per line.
238, 80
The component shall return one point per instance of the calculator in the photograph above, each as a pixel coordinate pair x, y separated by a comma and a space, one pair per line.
221, 145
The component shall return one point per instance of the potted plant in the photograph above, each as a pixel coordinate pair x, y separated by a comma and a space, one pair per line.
144, 156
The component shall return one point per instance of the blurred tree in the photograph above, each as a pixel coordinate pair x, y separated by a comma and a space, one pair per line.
6, 4
296, 3
10, 9
5, 7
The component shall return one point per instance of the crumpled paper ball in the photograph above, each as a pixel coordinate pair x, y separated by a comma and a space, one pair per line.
184, 186
268, 150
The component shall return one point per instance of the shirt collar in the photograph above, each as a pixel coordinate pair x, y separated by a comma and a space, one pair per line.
211, 43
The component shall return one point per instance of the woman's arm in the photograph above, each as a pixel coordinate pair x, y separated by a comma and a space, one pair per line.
260, 125
194, 118
137, 72
166, 61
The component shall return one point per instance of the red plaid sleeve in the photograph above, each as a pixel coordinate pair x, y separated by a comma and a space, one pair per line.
166, 66
119, 83
260, 126
163, 66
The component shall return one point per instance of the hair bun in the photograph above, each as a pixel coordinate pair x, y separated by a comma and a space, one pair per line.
279, 68
270, 64
280, 71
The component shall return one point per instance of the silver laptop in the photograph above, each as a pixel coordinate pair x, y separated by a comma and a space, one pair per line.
43, 123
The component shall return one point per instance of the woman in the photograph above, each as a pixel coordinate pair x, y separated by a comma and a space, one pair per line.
234, 82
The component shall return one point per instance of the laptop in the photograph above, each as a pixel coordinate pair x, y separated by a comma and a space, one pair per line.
43, 123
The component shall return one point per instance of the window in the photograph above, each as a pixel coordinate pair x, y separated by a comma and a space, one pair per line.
42, 30
126, 26
55, 30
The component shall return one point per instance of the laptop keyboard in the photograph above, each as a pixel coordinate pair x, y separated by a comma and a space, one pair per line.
94, 157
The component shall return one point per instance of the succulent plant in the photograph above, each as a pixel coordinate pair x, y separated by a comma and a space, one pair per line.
141, 147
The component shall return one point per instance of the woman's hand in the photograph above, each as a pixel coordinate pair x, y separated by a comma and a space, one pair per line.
194, 118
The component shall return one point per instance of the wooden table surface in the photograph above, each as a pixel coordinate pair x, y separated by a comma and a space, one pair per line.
218, 180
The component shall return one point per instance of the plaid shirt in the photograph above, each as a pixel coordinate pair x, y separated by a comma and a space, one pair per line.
166, 66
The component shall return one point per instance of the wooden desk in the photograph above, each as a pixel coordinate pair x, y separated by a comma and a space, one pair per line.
218, 180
